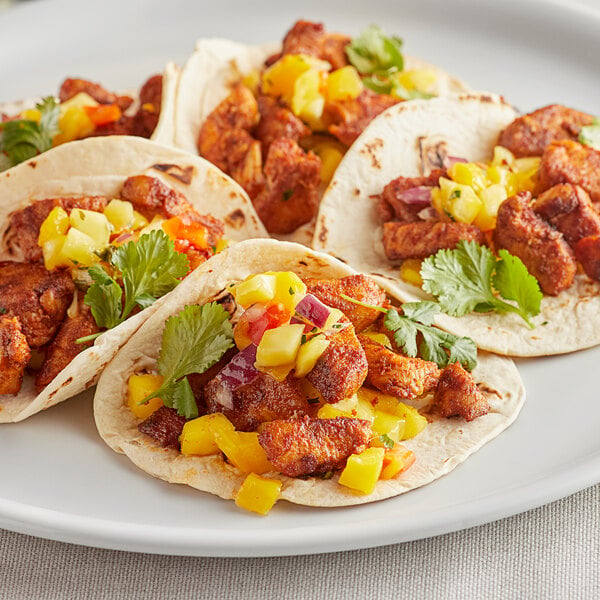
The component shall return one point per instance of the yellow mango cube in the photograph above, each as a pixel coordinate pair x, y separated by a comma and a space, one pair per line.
307, 100
396, 460
73, 121
309, 353
352, 407
139, 386
331, 155
502, 157
243, 451
344, 84
79, 247
258, 494
460, 201
52, 251
279, 346
422, 80
415, 422
139, 221
31, 114
492, 197
278, 373
119, 214
389, 425
198, 435
362, 471
55, 224
469, 174
256, 288
93, 224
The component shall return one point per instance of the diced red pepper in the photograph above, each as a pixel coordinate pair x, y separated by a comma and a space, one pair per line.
103, 113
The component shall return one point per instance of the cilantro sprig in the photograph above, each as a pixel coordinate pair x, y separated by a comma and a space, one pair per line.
438, 346
590, 134
22, 139
149, 269
471, 278
192, 342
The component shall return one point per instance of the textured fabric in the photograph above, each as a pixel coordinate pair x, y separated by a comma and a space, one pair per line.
550, 553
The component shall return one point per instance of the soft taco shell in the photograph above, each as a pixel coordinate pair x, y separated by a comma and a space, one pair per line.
400, 142
99, 166
218, 64
439, 448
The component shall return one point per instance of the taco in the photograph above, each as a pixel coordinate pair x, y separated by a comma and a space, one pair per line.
92, 233
487, 211
270, 373
84, 109
279, 117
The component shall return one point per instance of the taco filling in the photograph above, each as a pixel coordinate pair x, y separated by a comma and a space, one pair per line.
283, 128
86, 264
307, 378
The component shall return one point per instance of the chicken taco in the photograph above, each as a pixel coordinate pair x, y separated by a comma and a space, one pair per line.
85, 109
278, 118
92, 234
492, 213
277, 372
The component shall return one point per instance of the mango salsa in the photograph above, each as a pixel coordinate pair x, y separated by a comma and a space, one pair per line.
55, 224
258, 494
395, 461
362, 470
243, 451
257, 288
198, 435
309, 353
139, 386
279, 346
120, 214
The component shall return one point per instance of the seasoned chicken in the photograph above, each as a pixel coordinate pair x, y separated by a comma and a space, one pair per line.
164, 426
569, 209
308, 446
422, 239
342, 368
39, 298
398, 375
359, 287
530, 134
71, 87
587, 252
542, 249
14, 355
571, 162
264, 399
457, 394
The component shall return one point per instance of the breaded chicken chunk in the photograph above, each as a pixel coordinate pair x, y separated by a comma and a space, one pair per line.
14, 355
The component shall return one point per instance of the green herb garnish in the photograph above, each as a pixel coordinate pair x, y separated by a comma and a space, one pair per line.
22, 139
471, 278
386, 440
192, 342
149, 268
590, 134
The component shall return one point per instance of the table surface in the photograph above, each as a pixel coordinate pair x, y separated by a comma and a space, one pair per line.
548, 552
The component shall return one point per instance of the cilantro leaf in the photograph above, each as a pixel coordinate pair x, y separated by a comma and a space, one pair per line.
22, 139
104, 298
471, 278
374, 52
590, 134
192, 342
386, 440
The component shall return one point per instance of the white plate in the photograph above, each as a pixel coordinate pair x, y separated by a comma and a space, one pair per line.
58, 480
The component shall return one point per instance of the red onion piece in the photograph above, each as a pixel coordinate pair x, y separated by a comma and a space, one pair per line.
428, 214
451, 160
312, 309
417, 196
240, 370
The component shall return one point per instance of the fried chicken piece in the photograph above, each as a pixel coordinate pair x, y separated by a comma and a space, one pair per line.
25, 223
298, 447
71, 87
529, 134
291, 194
569, 209
146, 118
422, 239
277, 121
398, 375
390, 205
571, 162
350, 117
164, 426
542, 249
264, 399
359, 287
587, 252
342, 368
63, 348
457, 394
39, 298
310, 38
14, 355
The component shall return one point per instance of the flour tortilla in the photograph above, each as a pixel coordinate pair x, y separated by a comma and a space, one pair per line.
99, 166
218, 64
348, 226
438, 449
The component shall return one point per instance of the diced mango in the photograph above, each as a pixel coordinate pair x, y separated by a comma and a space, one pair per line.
389, 425
492, 197
352, 407
362, 471
79, 247
469, 174
289, 288
31, 114
278, 373
307, 101
139, 221
119, 214
415, 422
93, 224
344, 84
410, 271
258, 494
198, 435
422, 80
503, 176
74, 122
53, 254
140, 386
309, 353
378, 337
279, 346
243, 450
459, 201
331, 155
55, 224
256, 288
378, 400
502, 157
396, 460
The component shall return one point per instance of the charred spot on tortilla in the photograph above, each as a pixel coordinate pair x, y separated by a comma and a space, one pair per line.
432, 154
236, 219
485, 389
356, 192
64, 384
183, 174
323, 233
32, 164
371, 149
